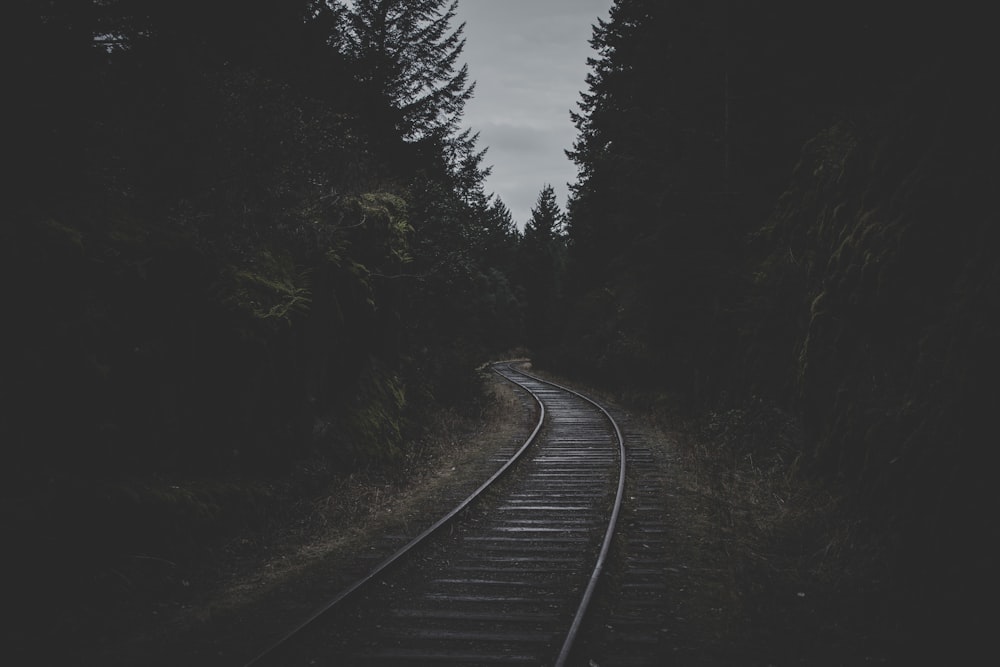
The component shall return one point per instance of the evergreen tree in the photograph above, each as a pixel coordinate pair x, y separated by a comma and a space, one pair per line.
547, 219
650, 145
542, 259
406, 53
499, 236
495, 247
649, 243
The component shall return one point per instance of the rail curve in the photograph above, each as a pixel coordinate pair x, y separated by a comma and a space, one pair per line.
505, 577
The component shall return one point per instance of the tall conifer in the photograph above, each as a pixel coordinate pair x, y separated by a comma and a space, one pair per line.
542, 255
407, 52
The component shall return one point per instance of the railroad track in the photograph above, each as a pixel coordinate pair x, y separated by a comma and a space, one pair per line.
506, 577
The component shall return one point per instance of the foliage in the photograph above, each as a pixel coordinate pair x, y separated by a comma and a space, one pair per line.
270, 290
241, 236
761, 212
876, 302
542, 257
406, 53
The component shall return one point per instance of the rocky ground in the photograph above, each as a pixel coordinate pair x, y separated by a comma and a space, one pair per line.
760, 565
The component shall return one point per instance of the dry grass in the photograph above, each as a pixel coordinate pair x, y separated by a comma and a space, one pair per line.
355, 510
265, 582
769, 566
797, 577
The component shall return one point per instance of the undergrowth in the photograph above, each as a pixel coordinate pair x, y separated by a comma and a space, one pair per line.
803, 573
117, 550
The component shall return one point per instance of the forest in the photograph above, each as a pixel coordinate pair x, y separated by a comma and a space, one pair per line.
248, 247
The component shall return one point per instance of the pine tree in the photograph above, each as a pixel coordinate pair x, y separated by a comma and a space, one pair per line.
650, 146
499, 230
407, 53
547, 219
650, 249
542, 258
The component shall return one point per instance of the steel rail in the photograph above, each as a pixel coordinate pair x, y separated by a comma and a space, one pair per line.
588, 594
443, 521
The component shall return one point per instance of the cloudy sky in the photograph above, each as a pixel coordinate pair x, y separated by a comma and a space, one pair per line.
529, 61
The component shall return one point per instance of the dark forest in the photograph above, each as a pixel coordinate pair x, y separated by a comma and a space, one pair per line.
248, 250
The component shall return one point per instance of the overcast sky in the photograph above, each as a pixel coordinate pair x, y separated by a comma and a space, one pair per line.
529, 61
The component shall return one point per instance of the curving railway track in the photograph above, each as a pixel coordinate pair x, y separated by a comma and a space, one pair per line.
504, 578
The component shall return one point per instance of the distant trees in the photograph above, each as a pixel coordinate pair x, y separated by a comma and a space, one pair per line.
542, 264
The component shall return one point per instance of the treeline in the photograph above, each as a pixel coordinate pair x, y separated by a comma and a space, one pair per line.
238, 230
238, 236
787, 201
